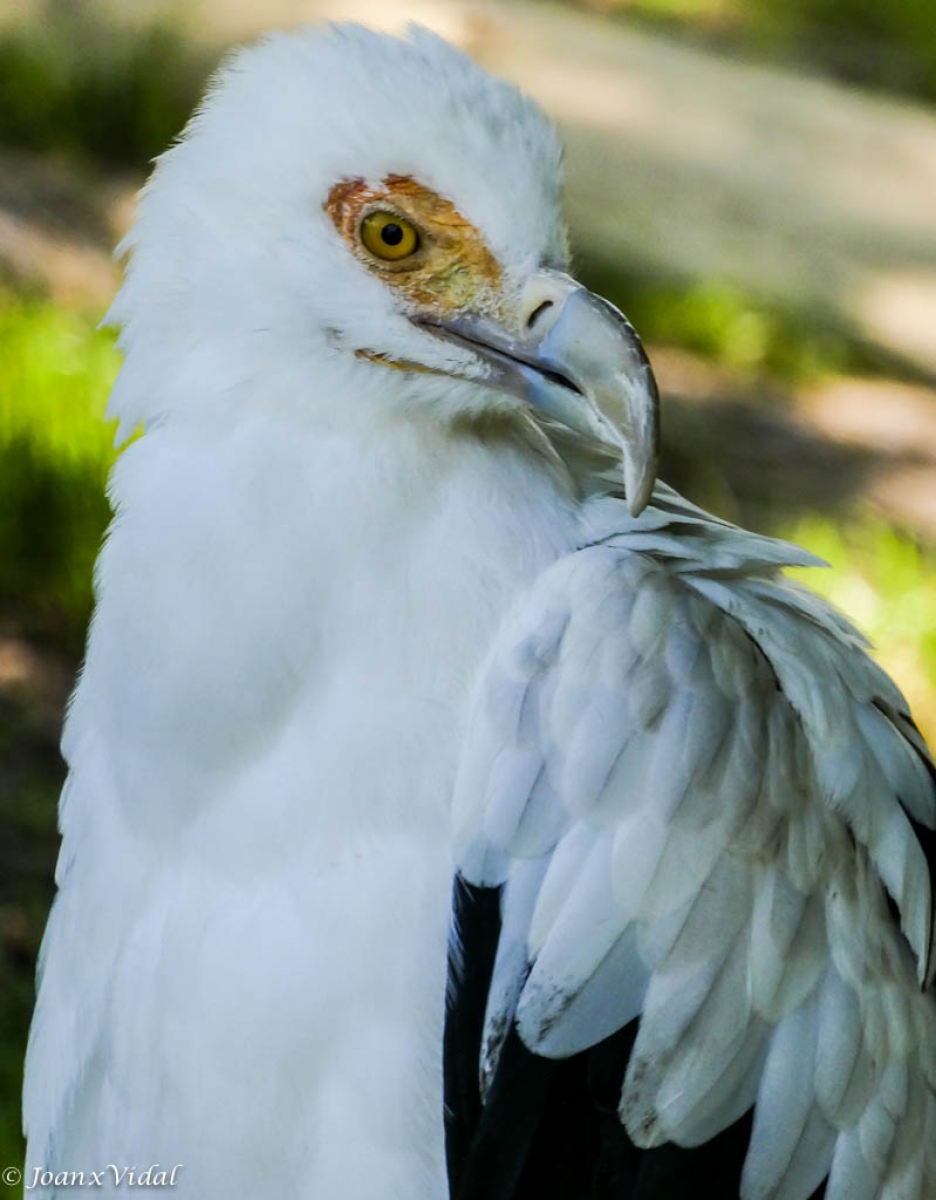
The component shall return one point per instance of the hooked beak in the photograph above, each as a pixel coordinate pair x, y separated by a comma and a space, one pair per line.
577, 360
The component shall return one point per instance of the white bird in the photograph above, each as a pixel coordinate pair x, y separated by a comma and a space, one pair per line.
374, 615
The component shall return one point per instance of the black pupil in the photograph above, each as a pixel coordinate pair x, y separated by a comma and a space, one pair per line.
392, 233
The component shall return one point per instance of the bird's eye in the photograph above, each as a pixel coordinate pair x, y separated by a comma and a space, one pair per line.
389, 236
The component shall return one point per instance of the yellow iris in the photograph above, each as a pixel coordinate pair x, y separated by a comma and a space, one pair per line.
389, 236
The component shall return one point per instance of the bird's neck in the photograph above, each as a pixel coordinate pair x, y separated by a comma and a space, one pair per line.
281, 614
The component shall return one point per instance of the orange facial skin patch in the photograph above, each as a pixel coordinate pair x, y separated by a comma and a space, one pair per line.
451, 270
397, 364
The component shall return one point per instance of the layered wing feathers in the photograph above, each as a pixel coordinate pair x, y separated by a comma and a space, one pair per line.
703, 800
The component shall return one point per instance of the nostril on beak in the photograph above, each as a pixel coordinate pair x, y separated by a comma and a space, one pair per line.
538, 312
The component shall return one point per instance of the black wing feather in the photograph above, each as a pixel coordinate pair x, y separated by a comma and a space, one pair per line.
549, 1130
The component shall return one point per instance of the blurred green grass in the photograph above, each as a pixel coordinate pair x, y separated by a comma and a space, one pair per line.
75, 81
56, 370
725, 325
889, 45
884, 580
15, 1009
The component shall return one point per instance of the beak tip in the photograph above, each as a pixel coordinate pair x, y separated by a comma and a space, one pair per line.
639, 481
636, 506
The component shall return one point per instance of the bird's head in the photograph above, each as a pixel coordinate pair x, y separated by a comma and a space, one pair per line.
356, 215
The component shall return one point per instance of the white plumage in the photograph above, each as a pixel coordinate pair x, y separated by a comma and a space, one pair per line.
718, 829
361, 627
